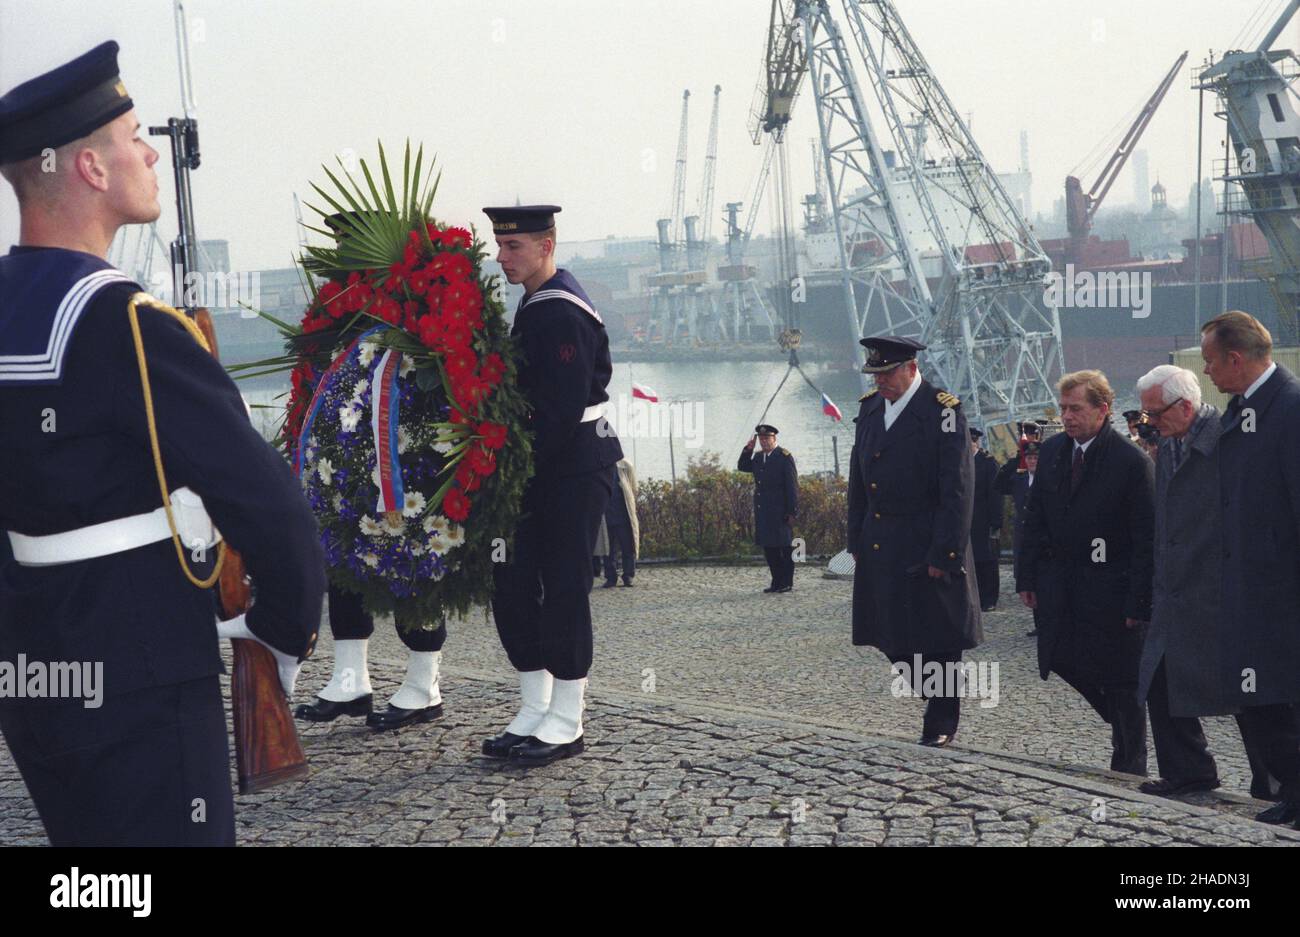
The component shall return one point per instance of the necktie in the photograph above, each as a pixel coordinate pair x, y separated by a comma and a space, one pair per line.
1178, 452
1076, 469
1234, 410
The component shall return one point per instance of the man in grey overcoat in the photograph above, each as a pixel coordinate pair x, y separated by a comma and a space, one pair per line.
1179, 676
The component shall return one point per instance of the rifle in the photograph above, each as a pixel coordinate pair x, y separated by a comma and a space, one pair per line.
267, 748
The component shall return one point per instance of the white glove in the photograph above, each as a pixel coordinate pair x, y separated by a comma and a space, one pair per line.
288, 666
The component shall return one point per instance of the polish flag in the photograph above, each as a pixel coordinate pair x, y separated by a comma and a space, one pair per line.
830, 409
640, 391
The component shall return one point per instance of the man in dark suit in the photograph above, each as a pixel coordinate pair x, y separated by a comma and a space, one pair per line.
1259, 481
1086, 561
986, 522
1016, 481
911, 494
97, 566
776, 501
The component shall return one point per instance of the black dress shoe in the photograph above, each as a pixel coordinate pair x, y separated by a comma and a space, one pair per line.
499, 745
937, 741
989, 608
533, 751
1032, 634
770, 589
394, 717
1168, 787
609, 583
785, 589
324, 710
1285, 811
628, 583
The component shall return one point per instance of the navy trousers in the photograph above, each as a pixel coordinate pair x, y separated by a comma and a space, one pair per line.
541, 594
147, 768
349, 621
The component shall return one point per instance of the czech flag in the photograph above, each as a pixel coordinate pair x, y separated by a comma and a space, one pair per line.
641, 392
829, 408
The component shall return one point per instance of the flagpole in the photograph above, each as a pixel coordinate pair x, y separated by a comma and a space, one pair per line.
631, 383
672, 460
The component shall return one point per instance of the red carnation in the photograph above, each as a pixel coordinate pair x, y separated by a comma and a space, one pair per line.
471, 392
455, 505
494, 435
419, 281
456, 237
460, 364
494, 368
458, 267
466, 478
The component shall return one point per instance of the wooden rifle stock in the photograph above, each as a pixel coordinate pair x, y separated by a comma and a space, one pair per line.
267, 748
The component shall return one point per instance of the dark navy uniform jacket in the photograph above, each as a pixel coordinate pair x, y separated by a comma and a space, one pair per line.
986, 514
776, 494
566, 369
911, 495
74, 451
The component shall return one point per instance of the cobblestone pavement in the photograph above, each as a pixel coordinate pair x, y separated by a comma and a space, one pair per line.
763, 728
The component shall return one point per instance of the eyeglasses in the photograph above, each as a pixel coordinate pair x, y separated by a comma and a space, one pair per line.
1150, 415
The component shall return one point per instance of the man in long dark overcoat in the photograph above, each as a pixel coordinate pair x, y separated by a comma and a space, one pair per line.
776, 501
1086, 561
986, 522
911, 488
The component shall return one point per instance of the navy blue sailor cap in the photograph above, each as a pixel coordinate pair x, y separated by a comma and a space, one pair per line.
62, 105
522, 219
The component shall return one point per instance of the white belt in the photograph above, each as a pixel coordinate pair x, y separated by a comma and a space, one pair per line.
594, 412
126, 533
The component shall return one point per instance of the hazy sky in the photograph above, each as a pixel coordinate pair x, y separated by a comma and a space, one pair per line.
578, 101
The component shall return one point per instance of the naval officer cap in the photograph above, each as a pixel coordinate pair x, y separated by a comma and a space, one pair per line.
1132, 415
62, 105
522, 219
886, 352
765, 429
975, 433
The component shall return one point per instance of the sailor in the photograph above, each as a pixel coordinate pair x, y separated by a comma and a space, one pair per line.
541, 594
911, 494
776, 501
108, 399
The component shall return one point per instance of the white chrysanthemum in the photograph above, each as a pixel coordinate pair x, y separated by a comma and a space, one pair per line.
406, 367
417, 549
370, 527
443, 447
436, 524
374, 475
414, 504
348, 418
325, 469
366, 354
394, 526
454, 536
370, 560
403, 439
359, 388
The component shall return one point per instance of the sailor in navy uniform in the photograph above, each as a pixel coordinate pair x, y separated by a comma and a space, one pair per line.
776, 501
911, 496
91, 569
541, 596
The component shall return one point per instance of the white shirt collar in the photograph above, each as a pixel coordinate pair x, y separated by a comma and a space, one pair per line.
1084, 445
1259, 381
893, 409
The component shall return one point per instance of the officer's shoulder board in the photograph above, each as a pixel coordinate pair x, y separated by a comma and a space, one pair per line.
785, 451
946, 399
868, 394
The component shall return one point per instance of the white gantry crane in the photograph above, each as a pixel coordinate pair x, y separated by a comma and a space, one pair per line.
930, 244
667, 309
700, 309
741, 294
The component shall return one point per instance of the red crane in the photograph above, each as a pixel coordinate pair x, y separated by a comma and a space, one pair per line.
1080, 207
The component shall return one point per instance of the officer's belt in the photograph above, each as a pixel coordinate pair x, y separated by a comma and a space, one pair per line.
117, 536
594, 412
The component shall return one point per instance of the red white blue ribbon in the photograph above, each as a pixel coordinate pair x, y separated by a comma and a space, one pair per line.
383, 424
319, 396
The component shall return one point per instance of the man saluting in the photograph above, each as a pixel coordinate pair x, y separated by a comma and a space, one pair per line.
776, 499
83, 446
540, 600
911, 493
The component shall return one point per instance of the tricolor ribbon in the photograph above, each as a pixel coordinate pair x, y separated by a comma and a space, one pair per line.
318, 397
383, 424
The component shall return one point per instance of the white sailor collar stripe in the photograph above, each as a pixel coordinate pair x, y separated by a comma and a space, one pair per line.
49, 365
565, 294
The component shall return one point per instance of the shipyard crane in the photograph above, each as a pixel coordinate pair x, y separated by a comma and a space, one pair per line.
700, 308
667, 309
906, 184
740, 288
1257, 98
1081, 207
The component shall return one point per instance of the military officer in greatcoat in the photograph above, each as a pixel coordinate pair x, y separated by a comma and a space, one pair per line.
776, 501
108, 398
911, 495
541, 595
986, 523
